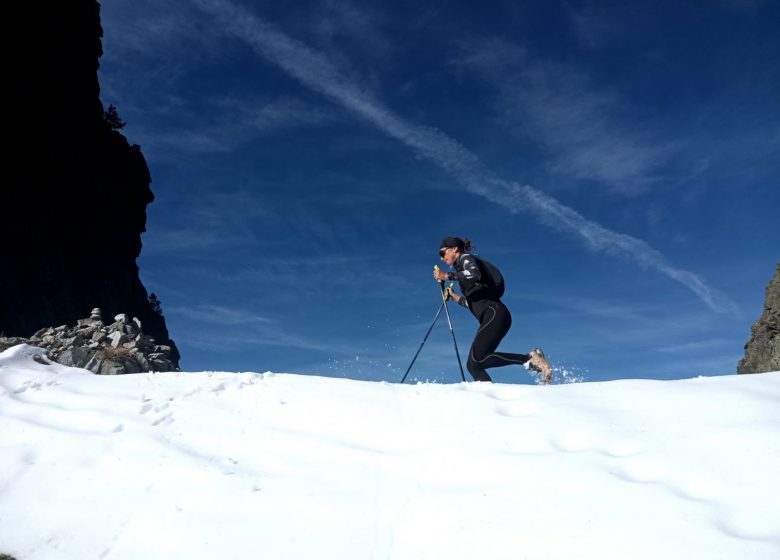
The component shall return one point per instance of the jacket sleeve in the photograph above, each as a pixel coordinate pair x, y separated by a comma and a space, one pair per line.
467, 273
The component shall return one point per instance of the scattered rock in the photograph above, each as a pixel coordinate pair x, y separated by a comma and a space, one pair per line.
41, 360
6, 343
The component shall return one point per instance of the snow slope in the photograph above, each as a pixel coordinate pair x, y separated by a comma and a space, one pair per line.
273, 466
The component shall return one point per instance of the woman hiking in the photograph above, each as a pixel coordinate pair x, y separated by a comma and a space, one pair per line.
483, 299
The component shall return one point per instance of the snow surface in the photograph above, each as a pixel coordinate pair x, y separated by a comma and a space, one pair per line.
274, 466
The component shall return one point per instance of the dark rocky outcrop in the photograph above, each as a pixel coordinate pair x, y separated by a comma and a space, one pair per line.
762, 351
107, 349
75, 191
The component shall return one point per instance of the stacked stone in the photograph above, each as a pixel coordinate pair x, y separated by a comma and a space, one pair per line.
117, 348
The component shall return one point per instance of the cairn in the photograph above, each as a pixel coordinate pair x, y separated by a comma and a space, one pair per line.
114, 349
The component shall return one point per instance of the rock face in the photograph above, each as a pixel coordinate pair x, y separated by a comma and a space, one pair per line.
762, 351
75, 196
108, 349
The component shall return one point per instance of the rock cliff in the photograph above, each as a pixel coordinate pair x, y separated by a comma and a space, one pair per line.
75, 193
762, 351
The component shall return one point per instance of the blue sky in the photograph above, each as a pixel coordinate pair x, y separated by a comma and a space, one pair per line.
617, 160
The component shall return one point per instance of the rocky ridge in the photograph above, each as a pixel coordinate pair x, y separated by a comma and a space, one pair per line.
762, 351
75, 191
107, 349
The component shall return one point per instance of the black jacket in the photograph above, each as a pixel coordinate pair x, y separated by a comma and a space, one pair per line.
471, 278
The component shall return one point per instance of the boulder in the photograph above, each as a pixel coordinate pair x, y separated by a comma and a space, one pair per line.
43, 332
117, 339
75, 357
119, 366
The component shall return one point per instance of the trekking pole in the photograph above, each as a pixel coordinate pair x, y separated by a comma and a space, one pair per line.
423, 342
449, 322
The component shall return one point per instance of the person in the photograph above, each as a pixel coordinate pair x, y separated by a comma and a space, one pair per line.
481, 297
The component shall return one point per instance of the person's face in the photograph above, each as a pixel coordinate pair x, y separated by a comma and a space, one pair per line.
448, 254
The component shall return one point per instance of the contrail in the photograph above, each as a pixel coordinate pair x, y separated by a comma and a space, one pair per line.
317, 72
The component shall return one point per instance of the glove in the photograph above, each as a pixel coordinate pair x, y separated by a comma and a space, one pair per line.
448, 293
437, 273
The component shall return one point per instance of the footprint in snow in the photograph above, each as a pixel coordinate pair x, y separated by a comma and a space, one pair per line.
643, 471
22, 389
516, 409
574, 442
166, 420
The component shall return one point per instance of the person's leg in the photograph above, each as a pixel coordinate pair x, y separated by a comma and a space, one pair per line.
494, 326
477, 371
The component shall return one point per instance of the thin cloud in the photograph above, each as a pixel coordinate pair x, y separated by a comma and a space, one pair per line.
592, 24
317, 72
586, 131
242, 329
600, 239
207, 221
698, 346
273, 336
219, 314
576, 121
238, 120
744, 5
336, 20
189, 239
148, 27
346, 278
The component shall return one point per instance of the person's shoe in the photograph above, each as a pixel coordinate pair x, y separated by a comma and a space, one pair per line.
540, 364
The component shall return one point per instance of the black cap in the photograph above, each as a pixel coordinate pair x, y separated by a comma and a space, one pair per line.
454, 242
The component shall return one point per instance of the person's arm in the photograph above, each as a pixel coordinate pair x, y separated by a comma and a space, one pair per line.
460, 300
469, 273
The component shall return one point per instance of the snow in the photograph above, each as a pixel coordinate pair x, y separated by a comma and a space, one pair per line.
275, 466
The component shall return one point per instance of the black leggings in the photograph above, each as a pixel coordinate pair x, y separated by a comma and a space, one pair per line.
494, 323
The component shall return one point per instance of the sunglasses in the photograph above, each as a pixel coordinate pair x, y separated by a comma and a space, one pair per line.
443, 250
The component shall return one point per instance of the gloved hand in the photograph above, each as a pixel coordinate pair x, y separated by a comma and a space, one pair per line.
449, 293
